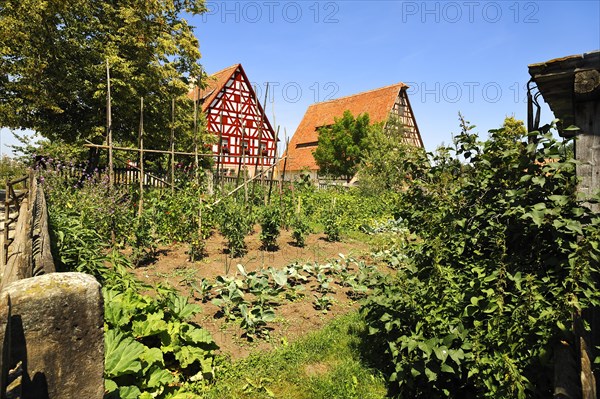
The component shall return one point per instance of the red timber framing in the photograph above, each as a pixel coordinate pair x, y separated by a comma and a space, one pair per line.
234, 113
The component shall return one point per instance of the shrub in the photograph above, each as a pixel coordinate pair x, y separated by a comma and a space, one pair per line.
332, 224
505, 257
235, 224
301, 230
270, 221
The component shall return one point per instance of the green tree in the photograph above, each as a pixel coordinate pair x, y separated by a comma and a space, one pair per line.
53, 57
341, 145
388, 161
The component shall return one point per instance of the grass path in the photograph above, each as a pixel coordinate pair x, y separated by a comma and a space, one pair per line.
326, 364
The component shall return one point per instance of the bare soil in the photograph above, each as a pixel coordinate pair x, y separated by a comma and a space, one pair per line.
293, 318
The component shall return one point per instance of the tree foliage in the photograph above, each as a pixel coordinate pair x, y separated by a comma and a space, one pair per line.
506, 254
341, 145
53, 57
388, 161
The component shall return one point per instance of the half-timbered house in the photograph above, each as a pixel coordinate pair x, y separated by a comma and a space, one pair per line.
381, 104
234, 114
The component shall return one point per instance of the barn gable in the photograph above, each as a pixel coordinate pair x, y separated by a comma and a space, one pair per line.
380, 104
234, 113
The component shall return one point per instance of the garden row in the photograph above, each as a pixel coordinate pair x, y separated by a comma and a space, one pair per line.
501, 254
153, 349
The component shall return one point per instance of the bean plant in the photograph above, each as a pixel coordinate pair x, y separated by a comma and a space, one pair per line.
235, 225
269, 224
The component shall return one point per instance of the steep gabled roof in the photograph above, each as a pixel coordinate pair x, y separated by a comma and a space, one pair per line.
214, 83
228, 80
377, 103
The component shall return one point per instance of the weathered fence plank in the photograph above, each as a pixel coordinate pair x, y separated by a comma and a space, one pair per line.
17, 266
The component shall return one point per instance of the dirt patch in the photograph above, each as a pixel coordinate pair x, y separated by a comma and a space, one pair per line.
316, 369
294, 316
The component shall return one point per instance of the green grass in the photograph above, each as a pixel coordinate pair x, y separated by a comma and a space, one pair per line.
326, 364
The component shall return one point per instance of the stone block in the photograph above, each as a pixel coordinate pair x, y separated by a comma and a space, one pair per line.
56, 332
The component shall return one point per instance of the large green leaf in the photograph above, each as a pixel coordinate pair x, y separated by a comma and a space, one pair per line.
154, 324
189, 354
181, 308
159, 377
122, 354
195, 335
153, 355
129, 392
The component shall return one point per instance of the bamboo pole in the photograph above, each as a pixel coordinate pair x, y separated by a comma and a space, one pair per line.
173, 145
6, 224
246, 180
141, 143
141, 140
196, 163
111, 172
111, 176
241, 146
287, 143
275, 153
260, 133
166, 183
91, 145
219, 167
241, 186
200, 236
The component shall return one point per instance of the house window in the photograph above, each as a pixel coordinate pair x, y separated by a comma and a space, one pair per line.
245, 147
263, 149
224, 146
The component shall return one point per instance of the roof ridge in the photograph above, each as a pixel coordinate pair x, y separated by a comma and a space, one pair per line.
224, 69
401, 84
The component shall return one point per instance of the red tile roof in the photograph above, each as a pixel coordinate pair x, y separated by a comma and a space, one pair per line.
377, 103
214, 83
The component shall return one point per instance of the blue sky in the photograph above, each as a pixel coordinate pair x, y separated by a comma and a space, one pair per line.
467, 56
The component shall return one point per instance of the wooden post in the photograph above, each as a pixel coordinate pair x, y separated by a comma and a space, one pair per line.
200, 236
219, 167
141, 171
260, 132
5, 244
173, 145
111, 177
287, 143
196, 163
241, 146
275, 160
587, 118
587, 152
237, 188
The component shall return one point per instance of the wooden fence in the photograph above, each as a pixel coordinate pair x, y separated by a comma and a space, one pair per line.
51, 324
13, 198
126, 176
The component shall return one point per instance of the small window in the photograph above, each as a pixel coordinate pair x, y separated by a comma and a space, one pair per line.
245, 147
224, 146
263, 149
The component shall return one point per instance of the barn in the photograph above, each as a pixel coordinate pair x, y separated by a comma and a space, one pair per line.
234, 114
380, 104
